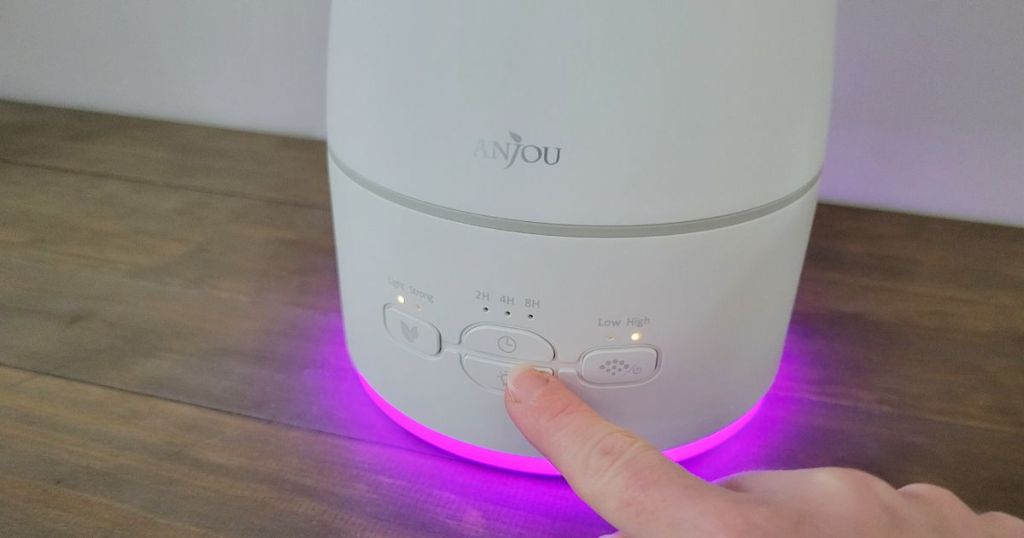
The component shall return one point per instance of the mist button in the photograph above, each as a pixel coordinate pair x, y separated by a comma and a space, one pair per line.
412, 332
508, 342
619, 365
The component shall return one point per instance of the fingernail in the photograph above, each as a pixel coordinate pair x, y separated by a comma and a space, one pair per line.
524, 383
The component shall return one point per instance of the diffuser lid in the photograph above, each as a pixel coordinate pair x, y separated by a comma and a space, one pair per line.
589, 112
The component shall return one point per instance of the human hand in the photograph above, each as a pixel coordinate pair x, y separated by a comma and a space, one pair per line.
643, 494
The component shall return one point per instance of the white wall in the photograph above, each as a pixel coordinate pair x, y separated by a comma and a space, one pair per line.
251, 64
929, 111
929, 108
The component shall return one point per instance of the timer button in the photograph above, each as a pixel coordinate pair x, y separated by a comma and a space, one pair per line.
412, 332
489, 374
619, 366
508, 342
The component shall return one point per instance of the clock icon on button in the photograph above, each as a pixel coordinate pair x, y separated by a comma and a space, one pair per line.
507, 344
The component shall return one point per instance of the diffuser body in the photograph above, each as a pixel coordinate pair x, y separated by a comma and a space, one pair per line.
617, 193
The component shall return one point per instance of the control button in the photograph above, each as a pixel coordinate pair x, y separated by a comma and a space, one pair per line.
491, 374
413, 332
619, 366
508, 342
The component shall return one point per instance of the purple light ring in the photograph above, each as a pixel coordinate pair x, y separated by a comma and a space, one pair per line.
533, 465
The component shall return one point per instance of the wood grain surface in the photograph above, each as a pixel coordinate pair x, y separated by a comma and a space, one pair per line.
172, 360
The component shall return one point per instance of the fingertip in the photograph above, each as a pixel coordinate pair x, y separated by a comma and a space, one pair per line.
525, 383
604, 464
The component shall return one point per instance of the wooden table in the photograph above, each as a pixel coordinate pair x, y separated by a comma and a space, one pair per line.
172, 359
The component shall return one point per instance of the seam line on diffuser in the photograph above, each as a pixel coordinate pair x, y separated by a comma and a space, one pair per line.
574, 230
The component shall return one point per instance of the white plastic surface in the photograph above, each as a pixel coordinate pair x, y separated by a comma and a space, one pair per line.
661, 111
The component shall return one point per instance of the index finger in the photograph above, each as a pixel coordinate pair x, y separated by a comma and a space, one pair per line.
621, 476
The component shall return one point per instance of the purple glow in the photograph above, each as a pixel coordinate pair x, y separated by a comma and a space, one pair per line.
527, 464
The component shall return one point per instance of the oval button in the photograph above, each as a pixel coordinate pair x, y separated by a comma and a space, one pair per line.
413, 332
508, 342
619, 366
490, 374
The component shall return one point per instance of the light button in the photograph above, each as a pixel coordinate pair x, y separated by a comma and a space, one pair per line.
413, 332
619, 366
508, 342
490, 374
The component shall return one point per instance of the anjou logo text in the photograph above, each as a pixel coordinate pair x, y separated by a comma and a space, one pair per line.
515, 151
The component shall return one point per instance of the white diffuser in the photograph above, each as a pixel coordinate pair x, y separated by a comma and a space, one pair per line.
619, 193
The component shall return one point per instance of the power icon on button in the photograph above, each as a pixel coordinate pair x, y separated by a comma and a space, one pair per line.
507, 344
